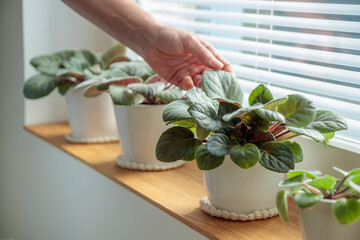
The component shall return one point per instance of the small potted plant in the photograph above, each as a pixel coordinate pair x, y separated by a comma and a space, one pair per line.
91, 120
139, 97
318, 198
237, 145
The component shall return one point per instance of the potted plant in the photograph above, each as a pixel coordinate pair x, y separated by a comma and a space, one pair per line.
91, 120
318, 198
139, 97
216, 129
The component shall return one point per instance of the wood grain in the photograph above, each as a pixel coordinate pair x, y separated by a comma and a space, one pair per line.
176, 192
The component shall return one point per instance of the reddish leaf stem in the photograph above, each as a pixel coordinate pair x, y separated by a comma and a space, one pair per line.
275, 125
312, 189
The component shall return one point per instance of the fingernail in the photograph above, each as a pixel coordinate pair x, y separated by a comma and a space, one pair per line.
216, 64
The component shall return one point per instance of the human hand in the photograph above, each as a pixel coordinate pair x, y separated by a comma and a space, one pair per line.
181, 57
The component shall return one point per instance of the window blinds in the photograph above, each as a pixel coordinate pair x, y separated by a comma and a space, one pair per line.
310, 47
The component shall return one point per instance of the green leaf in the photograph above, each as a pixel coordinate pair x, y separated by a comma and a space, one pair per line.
240, 112
86, 56
134, 68
188, 123
305, 199
106, 82
45, 59
86, 84
245, 156
147, 90
218, 145
346, 210
221, 84
282, 205
261, 94
273, 105
277, 157
354, 182
270, 115
76, 65
317, 136
201, 133
293, 181
39, 86
296, 149
124, 96
63, 87
225, 108
326, 182
170, 95
174, 144
256, 123
196, 95
327, 137
309, 174
205, 114
327, 122
115, 51
191, 156
65, 54
259, 138
176, 111
298, 111
204, 161
49, 68
355, 171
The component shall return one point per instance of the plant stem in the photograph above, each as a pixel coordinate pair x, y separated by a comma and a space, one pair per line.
279, 130
339, 185
274, 126
343, 195
312, 189
342, 191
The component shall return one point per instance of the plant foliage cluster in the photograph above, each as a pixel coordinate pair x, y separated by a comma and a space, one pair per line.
214, 123
308, 188
68, 68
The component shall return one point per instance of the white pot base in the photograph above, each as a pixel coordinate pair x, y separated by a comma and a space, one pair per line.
105, 139
146, 166
216, 212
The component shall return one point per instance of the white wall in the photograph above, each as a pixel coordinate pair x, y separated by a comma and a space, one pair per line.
44, 193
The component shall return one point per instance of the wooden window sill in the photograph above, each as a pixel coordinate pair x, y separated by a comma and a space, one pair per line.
176, 192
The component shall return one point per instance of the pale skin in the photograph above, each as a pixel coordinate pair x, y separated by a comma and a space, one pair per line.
177, 56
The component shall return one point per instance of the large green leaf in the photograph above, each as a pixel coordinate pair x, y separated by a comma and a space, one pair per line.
38, 60
282, 205
134, 68
277, 157
65, 54
191, 156
311, 133
124, 96
174, 144
326, 182
346, 210
241, 111
50, 68
147, 90
76, 65
204, 161
296, 149
245, 156
205, 114
305, 199
298, 111
39, 86
270, 115
86, 56
176, 111
261, 94
327, 122
196, 95
218, 144
170, 95
221, 84
225, 108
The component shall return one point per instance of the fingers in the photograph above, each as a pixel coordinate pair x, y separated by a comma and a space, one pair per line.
182, 79
227, 66
204, 55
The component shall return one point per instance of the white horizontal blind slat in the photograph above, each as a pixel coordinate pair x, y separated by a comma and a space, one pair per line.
306, 7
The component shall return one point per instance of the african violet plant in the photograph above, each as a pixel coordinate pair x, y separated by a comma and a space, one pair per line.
307, 189
68, 68
259, 132
131, 83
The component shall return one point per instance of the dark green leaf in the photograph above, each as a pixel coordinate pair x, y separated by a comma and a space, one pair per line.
63, 87
64, 55
317, 136
277, 157
346, 210
221, 84
124, 96
327, 122
305, 199
240, 112
174, 144
196, 95
147, 90
205, 114
298, 111
176, 111
245, 156
259, 138
296, 149
170, 95
218, 145
261, 94
225, 108
39, 86
191, 156
282, 205
38, 60
270, 115
204, 161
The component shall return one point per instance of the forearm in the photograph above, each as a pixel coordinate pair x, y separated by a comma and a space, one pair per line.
122, 19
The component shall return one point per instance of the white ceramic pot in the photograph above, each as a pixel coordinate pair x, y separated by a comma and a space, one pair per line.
318, 222
139, 128
242, 192
91, 119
